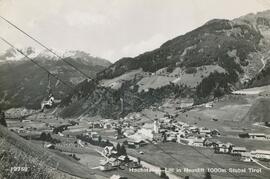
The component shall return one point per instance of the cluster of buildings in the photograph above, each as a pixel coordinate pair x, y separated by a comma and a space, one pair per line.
168, 130
246, 156
104, 123
114, 160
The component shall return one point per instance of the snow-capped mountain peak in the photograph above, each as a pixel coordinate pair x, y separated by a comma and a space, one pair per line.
84, 57
13, 55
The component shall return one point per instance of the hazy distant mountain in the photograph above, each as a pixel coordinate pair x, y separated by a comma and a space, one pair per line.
25, 84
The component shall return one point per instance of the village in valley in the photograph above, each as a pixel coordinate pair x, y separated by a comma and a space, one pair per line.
158, 101
135, 141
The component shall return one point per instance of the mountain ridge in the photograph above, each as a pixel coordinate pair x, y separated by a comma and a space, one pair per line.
25, 84
203, 64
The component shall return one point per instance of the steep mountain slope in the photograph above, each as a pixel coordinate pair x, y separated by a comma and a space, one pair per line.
259, 111
261, 22
25, 84
212, 60
37, 157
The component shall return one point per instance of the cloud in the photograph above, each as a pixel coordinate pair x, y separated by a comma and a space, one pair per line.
78, 19
116, 28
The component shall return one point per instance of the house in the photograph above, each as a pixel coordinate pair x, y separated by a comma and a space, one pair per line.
109, 150
94, 135
134, 165
171, 136
117, 177
223, 148
97, 125
199, 142
215, 132
114, 161
123, 158
246, 157
135, 143
50, 146
261, 154
209, 105
143, 133
238, 150
186, 102
106, 166
26, 120
259, 136
107, 126
194, 129
204, 131
128, 132
158, 137
131, 144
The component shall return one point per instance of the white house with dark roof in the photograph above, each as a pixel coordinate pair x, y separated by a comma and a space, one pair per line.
260, 154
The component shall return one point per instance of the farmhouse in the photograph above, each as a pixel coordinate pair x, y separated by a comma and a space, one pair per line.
117, 177
106, 166
261, 154
135, 143
123, 158
128, 132
223, 148
114, 161
238, 150
108, 150
94, 135
256, 135
199, 142
245, 157
204, 131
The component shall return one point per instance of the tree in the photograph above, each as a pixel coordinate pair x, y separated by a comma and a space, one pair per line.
43, 136
164, 138
118, 149
46, 137
119, 131
2, 118
99, 139
207, 175
163, 174
139, 160
123, 150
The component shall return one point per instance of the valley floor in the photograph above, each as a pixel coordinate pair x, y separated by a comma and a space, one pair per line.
226, 115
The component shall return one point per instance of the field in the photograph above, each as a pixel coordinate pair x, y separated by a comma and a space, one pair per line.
226, 115
183, 156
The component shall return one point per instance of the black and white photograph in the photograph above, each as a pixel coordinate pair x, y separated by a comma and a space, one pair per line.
134, 89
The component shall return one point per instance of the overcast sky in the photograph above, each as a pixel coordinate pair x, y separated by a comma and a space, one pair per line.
113, 29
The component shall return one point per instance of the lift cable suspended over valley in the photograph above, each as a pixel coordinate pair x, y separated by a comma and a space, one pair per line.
55, 76
40, 66
44, 46
47, 48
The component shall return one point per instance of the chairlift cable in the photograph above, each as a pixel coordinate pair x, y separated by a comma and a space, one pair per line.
44, 46
33, 61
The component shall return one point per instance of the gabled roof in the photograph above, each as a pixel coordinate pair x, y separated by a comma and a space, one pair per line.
239, 148
264, 152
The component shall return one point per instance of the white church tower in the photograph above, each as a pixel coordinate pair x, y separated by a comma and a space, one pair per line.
156, 126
